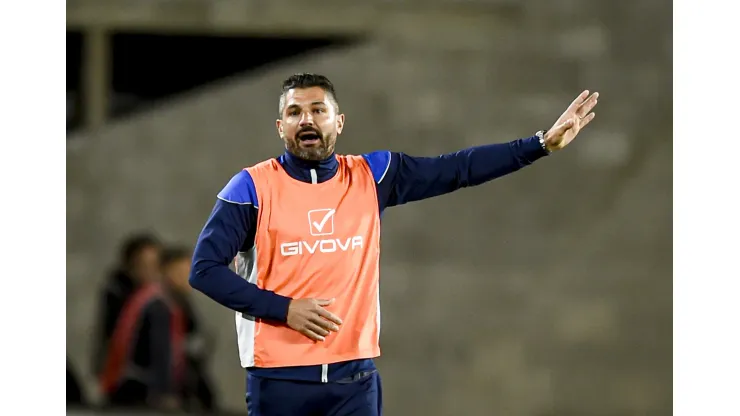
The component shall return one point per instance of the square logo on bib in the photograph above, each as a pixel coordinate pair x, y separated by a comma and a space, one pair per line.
321, 221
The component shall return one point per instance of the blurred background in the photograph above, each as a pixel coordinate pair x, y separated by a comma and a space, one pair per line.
548, 292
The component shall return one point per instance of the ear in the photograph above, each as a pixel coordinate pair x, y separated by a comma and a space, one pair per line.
340, 123
279, 126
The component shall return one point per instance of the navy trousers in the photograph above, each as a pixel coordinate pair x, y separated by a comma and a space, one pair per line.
359, 396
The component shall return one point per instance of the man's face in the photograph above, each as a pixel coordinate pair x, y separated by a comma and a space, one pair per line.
309, 123
177, 274
145, 265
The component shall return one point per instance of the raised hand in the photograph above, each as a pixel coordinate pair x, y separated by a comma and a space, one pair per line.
576, 117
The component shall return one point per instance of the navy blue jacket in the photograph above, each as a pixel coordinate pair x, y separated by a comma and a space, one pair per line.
400, 179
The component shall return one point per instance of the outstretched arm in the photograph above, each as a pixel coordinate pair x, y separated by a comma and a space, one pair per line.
409, 178
402, 178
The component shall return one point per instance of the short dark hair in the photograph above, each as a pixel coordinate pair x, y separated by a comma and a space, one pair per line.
307, 80
174, 254
135, 244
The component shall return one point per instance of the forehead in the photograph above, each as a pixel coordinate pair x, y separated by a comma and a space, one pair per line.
147, 251
306, 96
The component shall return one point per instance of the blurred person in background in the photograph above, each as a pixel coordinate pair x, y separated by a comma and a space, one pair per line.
304, 232
138, 264
145, 361
197, 393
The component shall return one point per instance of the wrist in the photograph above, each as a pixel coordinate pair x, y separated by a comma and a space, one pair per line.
543, 143
279, 306
541, 137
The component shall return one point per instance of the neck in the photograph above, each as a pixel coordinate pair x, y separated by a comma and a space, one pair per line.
310, 164
309, 170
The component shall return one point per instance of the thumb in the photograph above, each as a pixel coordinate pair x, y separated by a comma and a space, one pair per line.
324, 302
562, 128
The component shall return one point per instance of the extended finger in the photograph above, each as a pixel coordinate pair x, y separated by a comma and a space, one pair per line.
328, 315
317, 329
587, 119
578, 100
311, 334
323, 323
588, 105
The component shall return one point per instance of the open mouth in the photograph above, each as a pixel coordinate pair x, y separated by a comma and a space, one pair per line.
309, 137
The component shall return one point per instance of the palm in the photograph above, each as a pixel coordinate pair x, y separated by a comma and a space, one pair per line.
575, 117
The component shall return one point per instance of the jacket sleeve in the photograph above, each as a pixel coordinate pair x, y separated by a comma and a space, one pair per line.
401, 178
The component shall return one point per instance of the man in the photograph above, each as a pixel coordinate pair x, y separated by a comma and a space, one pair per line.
138, 265
304, 230
145, 361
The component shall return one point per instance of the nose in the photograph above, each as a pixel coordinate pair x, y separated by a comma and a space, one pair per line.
306, 119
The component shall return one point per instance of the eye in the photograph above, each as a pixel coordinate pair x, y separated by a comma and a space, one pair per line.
319, 110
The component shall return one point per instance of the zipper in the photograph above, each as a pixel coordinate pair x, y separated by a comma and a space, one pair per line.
314, 177
324, 373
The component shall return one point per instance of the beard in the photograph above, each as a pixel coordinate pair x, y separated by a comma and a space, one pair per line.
310, 144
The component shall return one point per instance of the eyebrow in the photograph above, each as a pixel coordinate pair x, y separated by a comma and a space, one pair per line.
313, 103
